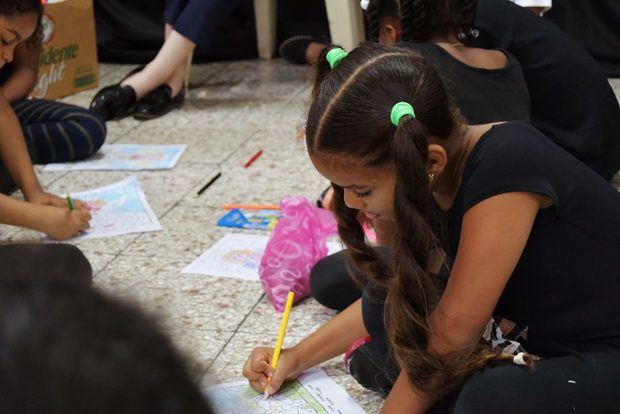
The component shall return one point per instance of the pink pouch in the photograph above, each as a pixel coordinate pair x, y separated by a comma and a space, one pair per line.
296, 244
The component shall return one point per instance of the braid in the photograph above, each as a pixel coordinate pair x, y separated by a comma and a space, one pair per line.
407, 19
467, 18
373, 19
419, 20
363, 257
414, 241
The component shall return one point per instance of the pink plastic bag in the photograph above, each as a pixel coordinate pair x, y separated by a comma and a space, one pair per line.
296, 244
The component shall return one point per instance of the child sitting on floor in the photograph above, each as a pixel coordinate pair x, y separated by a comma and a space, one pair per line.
532, 234
55, 132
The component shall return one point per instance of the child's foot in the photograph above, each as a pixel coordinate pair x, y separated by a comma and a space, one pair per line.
158, 102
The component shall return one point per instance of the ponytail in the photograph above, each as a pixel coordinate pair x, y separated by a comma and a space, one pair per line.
360, 254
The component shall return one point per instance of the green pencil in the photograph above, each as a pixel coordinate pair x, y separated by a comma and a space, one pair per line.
70, 202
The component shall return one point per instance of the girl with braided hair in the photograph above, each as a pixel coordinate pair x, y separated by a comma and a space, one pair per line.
486, 86
532, 234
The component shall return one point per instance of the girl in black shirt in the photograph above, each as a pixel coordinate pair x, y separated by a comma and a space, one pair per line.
534, 235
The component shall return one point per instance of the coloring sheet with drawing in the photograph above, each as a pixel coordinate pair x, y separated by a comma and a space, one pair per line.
116, 209
126, 157
237, 256
312, 393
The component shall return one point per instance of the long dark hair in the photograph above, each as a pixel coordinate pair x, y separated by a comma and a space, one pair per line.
11, 8
421, 20
350, 115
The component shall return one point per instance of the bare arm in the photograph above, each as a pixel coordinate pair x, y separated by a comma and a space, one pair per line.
25, 71
330, 340
14, 152
493, 236
59, 223
333, 338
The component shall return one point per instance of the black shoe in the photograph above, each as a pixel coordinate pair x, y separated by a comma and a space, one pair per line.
158, 102
106, 104
114, 101
294, 49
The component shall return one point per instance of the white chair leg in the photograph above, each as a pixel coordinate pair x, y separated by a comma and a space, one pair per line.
266, 19
345, 22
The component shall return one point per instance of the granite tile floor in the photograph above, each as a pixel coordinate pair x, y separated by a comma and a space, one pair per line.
232, 110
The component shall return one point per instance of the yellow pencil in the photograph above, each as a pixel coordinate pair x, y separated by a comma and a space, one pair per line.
280, 341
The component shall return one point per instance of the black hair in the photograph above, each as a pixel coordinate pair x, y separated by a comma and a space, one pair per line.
421, 20
424, 19
11, 8
377, 10
68, 349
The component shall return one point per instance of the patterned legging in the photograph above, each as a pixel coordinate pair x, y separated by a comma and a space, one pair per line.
59, 132
55, 132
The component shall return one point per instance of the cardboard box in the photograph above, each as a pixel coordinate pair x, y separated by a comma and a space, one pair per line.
68, 61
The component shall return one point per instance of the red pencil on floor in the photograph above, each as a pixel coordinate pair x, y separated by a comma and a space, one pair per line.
251, 160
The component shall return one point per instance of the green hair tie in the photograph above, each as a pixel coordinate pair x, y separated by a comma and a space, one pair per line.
399, 110
334, 56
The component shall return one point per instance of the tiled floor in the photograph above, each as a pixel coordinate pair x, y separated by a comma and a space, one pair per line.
233, 109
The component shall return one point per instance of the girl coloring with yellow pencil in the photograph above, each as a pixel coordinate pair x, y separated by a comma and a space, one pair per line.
531, 235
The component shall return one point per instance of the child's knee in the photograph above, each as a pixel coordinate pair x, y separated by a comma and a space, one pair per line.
319, 283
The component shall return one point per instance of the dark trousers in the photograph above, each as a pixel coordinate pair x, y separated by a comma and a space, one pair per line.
198, 20
64, 263
59, 132
582, 379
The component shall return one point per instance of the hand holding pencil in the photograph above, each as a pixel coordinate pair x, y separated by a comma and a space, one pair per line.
267, 368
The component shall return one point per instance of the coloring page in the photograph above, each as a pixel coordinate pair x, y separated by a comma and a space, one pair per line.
237, 256
116, 209
312, 393
126, 157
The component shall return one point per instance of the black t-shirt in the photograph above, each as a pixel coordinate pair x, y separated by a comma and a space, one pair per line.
579, 17
482, 95
566, 286
572, 102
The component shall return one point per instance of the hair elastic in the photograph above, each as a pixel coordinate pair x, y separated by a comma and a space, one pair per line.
399, 110
334, 56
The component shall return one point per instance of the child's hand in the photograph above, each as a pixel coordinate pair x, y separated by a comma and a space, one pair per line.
61, 223
258, 368
46, 199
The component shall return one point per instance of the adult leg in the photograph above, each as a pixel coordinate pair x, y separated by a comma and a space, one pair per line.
58, 132
45, 262
169, 60
194, 22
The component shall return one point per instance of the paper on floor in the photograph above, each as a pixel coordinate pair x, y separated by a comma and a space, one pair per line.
312, 393
116, 209
126, 157
237, 256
